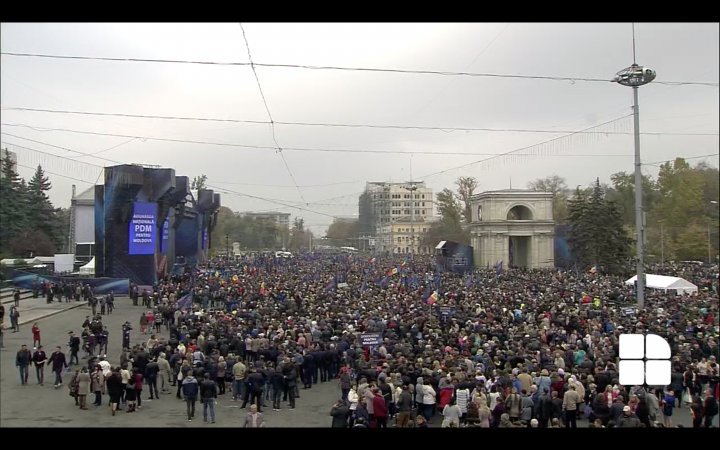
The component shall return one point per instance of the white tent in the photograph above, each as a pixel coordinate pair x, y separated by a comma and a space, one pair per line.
88, 269
665, 283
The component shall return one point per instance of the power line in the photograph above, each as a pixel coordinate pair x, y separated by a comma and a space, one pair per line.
52, 154
228, 191
57, 174
288, 186
55, 146
272, 123
297, 149
343, 125
522, 148
353, 69
657, 163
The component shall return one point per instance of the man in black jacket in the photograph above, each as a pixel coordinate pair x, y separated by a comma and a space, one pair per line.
22, 361
277, 380
74, 345
208, 397
39, 358
290, 379
57, 359
254, 391
151, 373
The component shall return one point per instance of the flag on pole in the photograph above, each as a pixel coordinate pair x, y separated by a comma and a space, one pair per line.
498, 267
185, 301
432, 299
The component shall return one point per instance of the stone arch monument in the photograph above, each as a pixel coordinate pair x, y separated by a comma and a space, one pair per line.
513, 226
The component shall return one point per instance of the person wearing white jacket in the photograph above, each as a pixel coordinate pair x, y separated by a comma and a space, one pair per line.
428, 400
353, 399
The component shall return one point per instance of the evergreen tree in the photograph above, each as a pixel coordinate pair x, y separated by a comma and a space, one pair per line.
12, 205
41, 214
597, 236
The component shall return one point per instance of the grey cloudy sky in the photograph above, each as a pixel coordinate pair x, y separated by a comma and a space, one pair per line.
330, 182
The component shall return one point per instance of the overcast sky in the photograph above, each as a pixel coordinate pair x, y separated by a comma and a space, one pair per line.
330, 182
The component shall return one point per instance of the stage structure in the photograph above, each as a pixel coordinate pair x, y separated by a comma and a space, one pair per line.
139, 212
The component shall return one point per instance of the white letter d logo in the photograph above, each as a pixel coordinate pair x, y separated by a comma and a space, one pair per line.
644, 359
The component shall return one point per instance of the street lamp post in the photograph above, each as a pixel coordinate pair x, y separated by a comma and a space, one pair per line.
227, 247
636, 76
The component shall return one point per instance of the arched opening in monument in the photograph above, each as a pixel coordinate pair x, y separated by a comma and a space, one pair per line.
519, 251
519, 212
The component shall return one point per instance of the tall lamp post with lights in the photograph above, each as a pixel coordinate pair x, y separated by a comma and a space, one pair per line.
634, 77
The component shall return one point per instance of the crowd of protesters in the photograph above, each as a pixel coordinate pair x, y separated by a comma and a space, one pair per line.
495, 348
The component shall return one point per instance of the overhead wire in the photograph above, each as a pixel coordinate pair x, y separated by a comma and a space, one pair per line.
342, 125
352, 69
228, 191
53, 145
301, 149
272, 123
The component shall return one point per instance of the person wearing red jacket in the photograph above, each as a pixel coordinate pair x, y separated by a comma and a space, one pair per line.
380, 411
36, 335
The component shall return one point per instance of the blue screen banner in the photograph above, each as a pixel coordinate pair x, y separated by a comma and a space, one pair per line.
143, 232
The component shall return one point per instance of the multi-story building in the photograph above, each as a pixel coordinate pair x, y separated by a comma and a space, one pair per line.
404, 236
387, 208
4, 153
280, 218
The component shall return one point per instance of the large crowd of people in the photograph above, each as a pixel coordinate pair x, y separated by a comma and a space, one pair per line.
406, 344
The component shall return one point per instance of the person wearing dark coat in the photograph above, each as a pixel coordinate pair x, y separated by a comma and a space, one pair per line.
208, 397
151, 372
256, 383
23, 361
190, 389
340, 413
58, 363
290, 382
114, 387
277, 381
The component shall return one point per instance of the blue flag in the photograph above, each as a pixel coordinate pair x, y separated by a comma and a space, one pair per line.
185, 301
469, 281
498, 267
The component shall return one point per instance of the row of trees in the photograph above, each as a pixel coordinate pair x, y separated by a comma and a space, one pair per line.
680, 209
29, 223
257, 233
681, 215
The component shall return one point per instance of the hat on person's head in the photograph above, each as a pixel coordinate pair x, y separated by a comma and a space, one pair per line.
544, 373
626, 409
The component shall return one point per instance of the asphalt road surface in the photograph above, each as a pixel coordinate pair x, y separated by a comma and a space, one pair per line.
33, 405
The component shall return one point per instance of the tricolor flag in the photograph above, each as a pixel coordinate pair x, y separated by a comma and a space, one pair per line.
235, 278
432, 299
